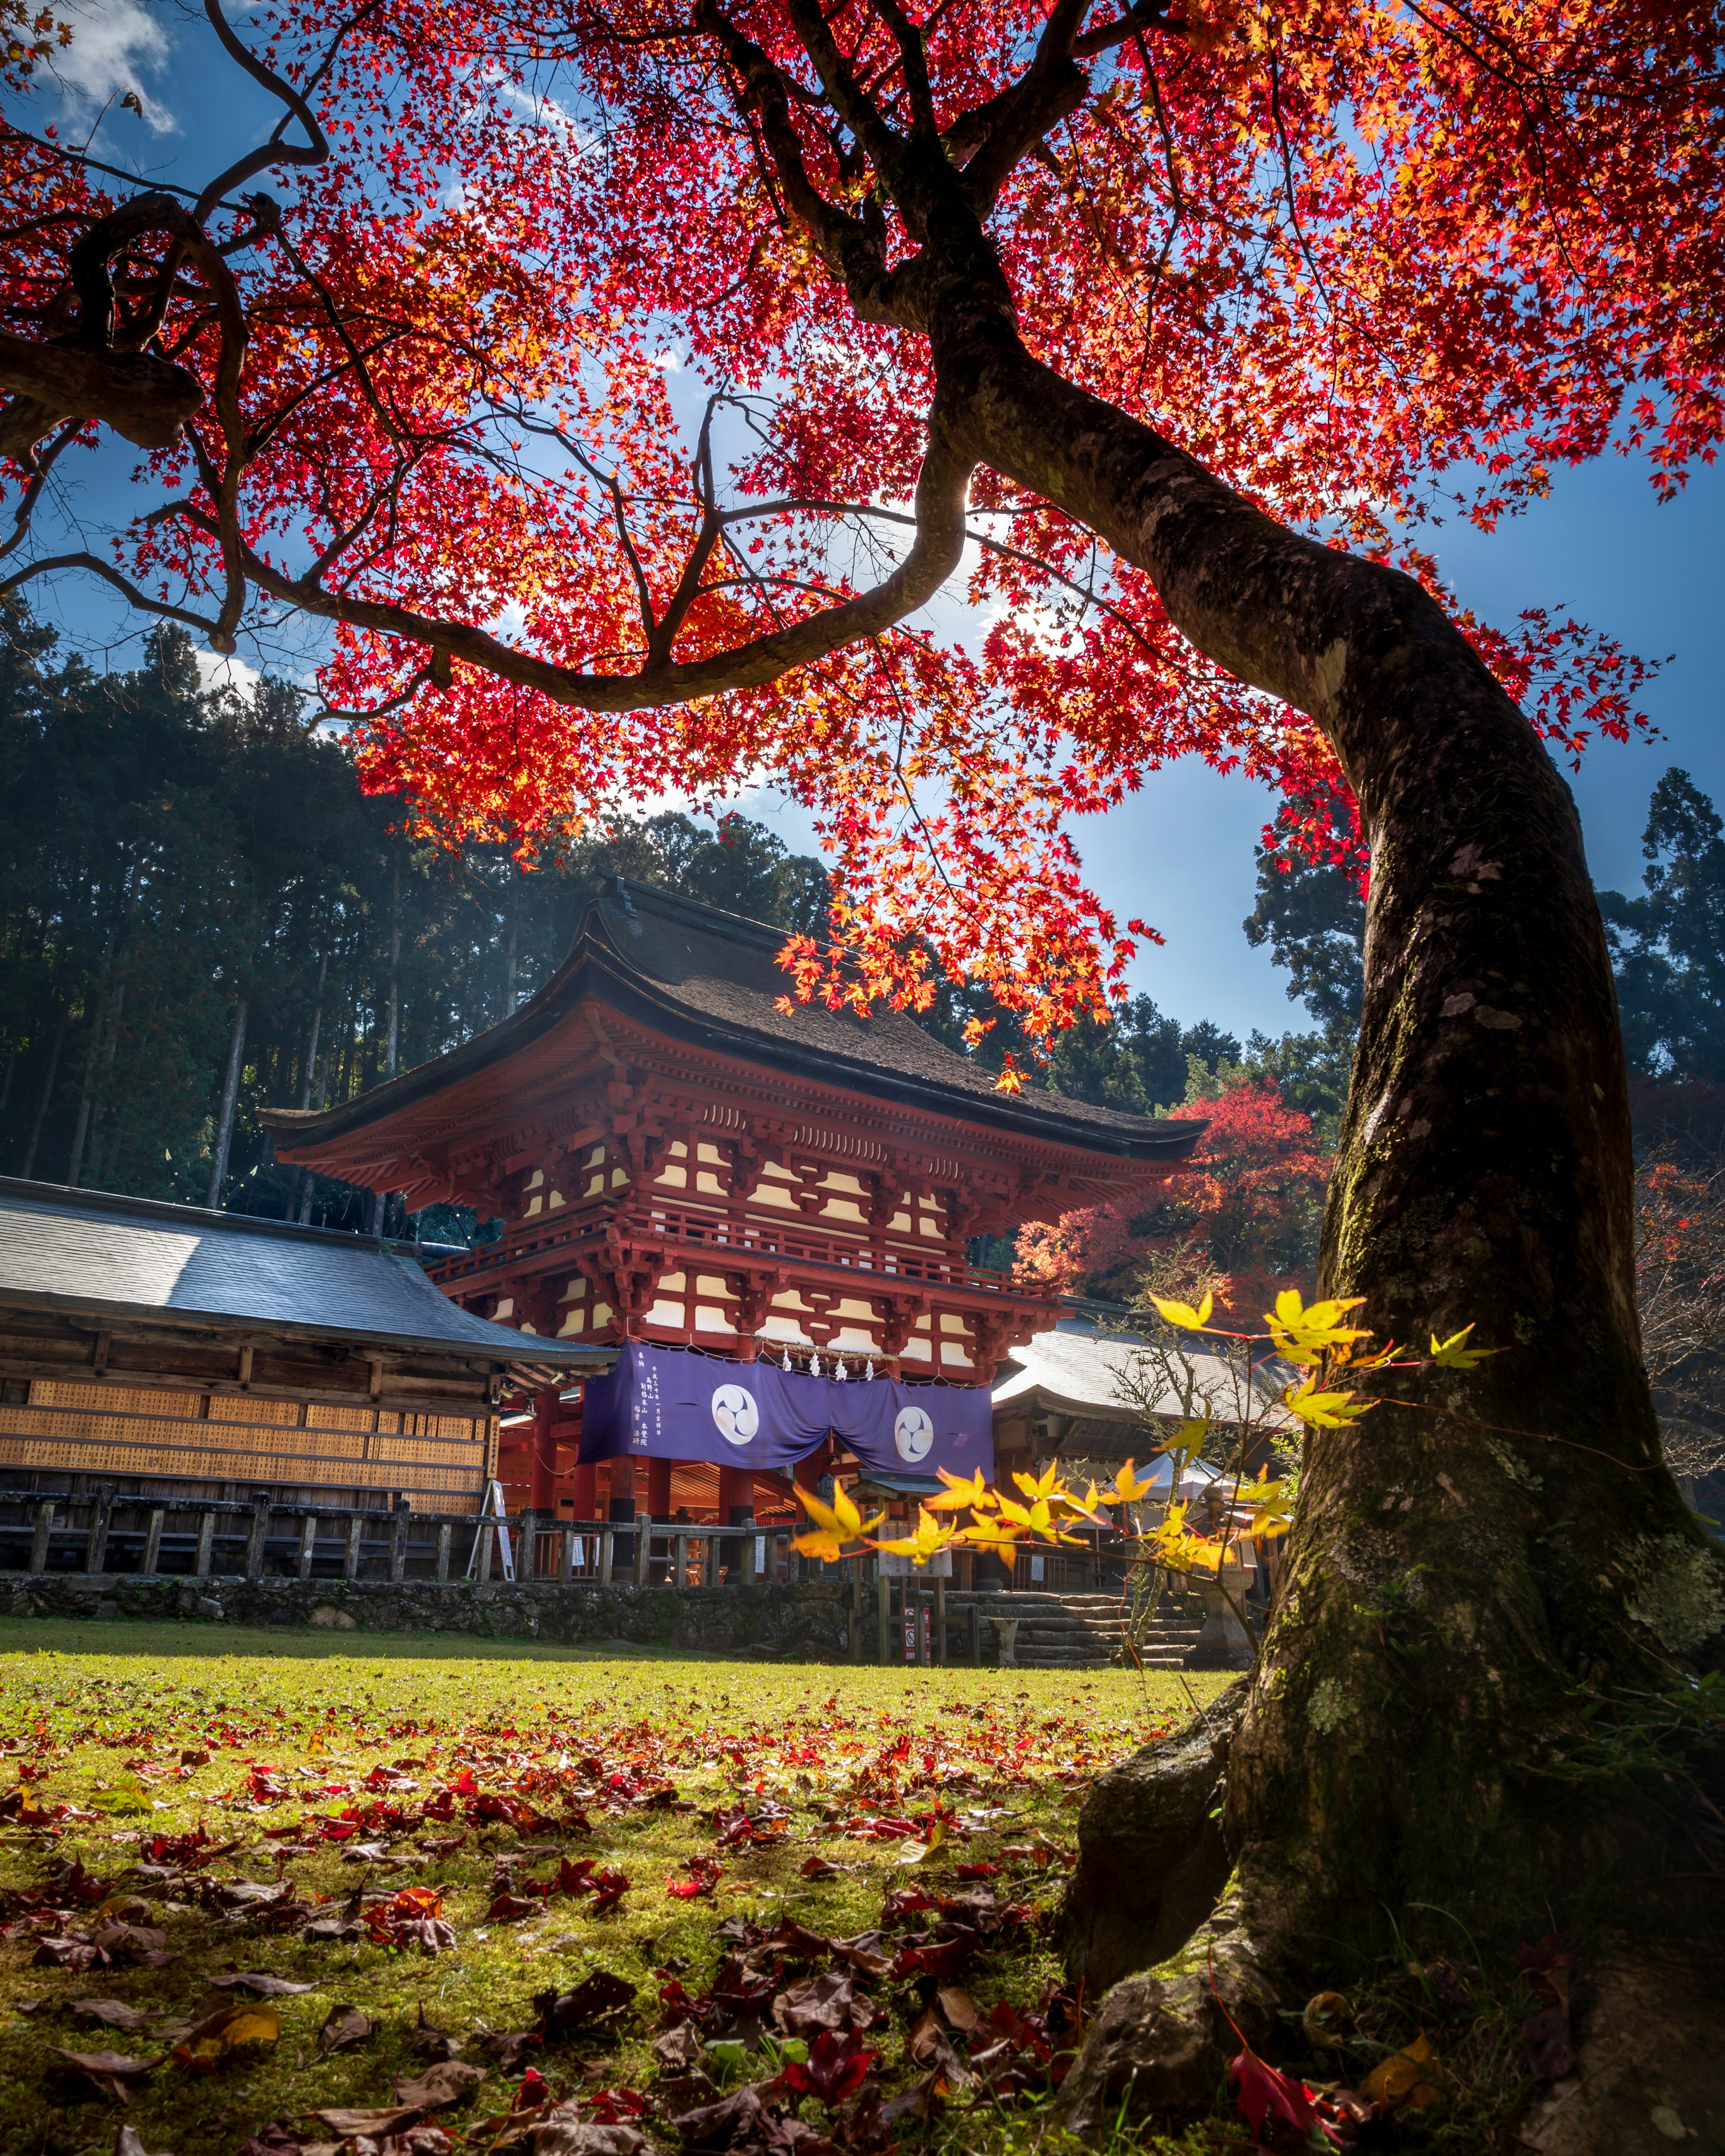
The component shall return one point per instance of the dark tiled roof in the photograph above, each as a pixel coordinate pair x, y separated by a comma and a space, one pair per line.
725, 969
95, 1253
714, 978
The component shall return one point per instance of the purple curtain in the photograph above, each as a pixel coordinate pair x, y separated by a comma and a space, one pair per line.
661, 1405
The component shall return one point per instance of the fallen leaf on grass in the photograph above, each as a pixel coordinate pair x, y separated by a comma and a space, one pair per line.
830, 2002
432, 2044
126, 1909
143, 1943
374, 2125
508, 2048
598, 2001
110, 2074
837, 2066
257, 1982
676, 2049
959, 2008
716, 2125
511, 1908
559, 2136
1410, 2077
817, 1867
130, 2143
1261, 2093
114, 2012
344, 2027
68, 1950
1549, 2043
1326, 2021
278, 2138
203, 2047
450, 2081
705, 1873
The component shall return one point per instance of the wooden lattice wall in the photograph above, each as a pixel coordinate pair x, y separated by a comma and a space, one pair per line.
440, 1462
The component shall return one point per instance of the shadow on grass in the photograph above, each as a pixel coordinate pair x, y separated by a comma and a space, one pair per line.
116, 1636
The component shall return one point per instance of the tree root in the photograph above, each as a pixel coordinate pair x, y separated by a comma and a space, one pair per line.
1151, 1894
1151, 1860
1188, 1963
1160, 2042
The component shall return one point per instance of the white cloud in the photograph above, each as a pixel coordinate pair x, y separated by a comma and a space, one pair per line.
114, 45
216, 672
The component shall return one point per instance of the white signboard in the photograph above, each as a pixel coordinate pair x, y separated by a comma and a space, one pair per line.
894, 1566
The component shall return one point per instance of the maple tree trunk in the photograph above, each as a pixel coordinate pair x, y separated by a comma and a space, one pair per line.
1462, 1567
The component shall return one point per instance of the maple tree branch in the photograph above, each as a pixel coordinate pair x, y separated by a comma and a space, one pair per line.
907, 36
146, 400
852, 103
98, 567
32, 492
1107, 35
420, 678
1050, 89
850, 250
941, 488
689, 584
815, 505
275, 152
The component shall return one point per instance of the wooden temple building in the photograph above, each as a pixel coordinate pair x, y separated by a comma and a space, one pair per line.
162, 1350
764, 1213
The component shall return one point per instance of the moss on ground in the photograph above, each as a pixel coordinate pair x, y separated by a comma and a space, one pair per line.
97, 1716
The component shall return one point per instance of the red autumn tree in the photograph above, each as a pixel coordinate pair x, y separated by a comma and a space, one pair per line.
1243, 1224
1168, 328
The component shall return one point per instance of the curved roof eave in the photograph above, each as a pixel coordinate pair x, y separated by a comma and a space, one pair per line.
594, 963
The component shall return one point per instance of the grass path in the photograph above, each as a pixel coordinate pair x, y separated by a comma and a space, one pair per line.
466, 1770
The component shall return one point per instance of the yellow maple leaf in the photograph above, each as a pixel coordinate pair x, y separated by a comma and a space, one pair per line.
1071, 1507
834, 1525
990, 1534
1273, 1511
1173, 1544
1324, 1410
1127, 1488
1039, 1485
1037, 1519
930, 1539
1454, 1354
959, 1494
1410, 2077
1183, 1313
1301, 1334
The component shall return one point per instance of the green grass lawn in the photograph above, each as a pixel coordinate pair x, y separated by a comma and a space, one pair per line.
532, 1756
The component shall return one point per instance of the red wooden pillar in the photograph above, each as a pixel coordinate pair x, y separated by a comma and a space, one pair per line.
543, 1492
737, 1495
659, 1486
737, 1502
584, 1488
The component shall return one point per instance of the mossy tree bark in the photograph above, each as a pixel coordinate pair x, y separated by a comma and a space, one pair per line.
1468, 1568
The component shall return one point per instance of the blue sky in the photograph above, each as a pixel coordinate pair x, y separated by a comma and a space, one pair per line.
1180, 854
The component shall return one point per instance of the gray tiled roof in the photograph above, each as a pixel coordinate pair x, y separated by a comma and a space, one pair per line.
98, 1254
1074, 1370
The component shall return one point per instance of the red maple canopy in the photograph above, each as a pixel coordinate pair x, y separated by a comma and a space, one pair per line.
702, 343
677, 1159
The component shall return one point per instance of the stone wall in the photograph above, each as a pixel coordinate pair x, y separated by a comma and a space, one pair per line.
807, 1622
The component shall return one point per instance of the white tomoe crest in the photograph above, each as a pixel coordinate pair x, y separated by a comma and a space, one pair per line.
736, 1414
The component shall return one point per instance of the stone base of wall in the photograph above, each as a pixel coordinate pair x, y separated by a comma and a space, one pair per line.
809, 1622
